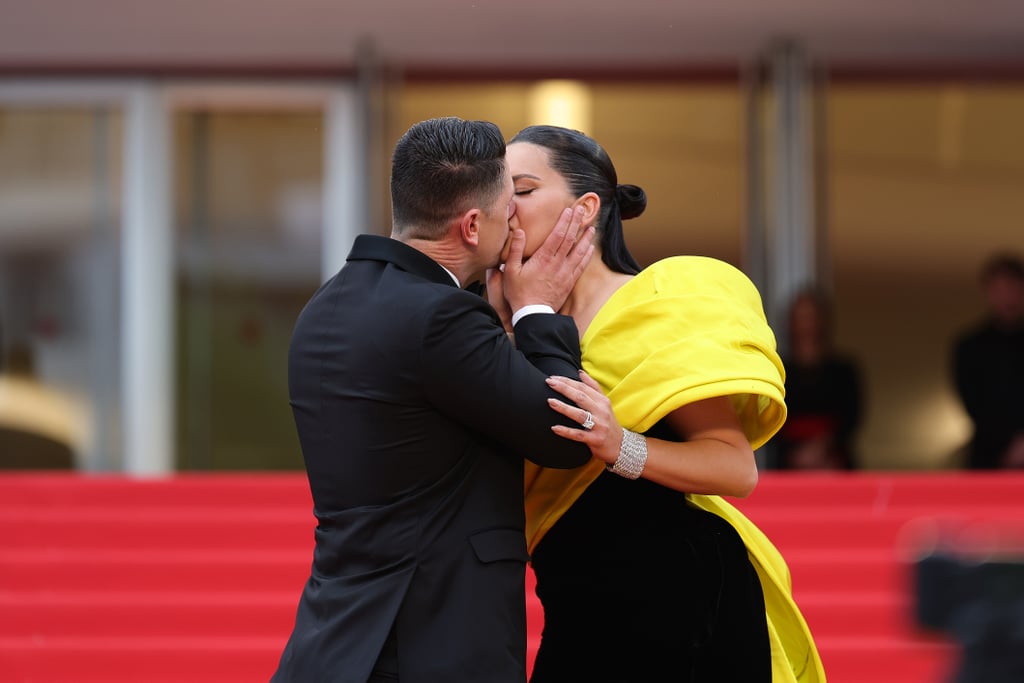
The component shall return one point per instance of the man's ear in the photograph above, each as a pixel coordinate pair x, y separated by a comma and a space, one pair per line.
469, 227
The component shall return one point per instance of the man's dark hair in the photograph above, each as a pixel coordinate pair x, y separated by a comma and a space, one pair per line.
440, 168
1003, 264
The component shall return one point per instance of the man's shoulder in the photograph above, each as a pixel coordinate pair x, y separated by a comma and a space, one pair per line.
978, 332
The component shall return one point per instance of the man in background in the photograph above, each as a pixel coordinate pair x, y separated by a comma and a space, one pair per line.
988, 366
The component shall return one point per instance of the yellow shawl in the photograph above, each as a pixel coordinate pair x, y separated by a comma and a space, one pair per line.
685, 329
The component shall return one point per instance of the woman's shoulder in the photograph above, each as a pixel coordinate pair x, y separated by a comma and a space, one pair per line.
698, 276
692, 266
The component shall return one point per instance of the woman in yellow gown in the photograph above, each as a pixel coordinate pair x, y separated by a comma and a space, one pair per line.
644, 571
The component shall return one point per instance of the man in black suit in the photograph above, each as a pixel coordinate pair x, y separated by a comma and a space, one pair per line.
988, 369
414, 410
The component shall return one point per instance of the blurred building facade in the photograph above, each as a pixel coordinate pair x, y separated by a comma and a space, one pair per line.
160, 229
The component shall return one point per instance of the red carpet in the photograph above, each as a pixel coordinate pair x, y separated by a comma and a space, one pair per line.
195, 578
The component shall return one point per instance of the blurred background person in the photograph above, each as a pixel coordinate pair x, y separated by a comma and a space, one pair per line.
824, 391
40, 427
988, 368
968, 586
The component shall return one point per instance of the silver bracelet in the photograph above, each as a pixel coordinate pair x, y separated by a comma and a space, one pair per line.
632, 455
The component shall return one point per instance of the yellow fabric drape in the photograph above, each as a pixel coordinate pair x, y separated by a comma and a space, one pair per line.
685, 329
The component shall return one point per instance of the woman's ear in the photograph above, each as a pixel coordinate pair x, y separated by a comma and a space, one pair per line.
591, 204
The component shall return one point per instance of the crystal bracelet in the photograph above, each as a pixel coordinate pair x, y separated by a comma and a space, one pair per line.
632, 455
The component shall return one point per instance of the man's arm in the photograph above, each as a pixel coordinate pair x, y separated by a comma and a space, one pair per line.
967, 377
478, 378
499, 390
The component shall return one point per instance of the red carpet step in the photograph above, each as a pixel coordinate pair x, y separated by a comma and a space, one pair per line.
194, 578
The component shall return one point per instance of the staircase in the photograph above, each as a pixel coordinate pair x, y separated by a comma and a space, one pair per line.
113, 580
851, 541
195, 578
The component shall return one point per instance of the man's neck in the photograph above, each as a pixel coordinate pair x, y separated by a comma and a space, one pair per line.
450, 256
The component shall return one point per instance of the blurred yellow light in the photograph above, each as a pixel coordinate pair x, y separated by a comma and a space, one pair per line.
561, 103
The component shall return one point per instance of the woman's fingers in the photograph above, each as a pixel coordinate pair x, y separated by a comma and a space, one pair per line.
603, 435
575, 391
590, 381
592, 409
516, 246
575, 414
567, 227
569, 410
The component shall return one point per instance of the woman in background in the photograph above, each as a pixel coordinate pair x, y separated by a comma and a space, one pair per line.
824, 392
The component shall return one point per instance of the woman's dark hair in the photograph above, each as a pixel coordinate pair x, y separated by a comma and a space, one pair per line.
442, 167
822, 301
588, 168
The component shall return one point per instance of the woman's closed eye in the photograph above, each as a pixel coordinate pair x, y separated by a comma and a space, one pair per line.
524, 191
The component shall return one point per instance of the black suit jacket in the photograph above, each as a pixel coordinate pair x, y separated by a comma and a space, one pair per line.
414, 413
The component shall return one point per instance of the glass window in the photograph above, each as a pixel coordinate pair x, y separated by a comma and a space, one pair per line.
249, 219
59, 287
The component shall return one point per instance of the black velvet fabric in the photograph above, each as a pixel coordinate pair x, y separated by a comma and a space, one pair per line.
639, 586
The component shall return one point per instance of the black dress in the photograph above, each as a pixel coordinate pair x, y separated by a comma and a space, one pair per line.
638, 586
823, 400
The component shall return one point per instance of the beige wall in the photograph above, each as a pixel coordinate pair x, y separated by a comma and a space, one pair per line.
682, 144
922, 182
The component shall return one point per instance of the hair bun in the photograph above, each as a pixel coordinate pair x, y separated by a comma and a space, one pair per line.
632, 200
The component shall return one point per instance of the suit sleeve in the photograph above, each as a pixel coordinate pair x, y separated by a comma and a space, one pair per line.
476, 376
966, 376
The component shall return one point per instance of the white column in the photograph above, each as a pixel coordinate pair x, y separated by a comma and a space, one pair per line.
791, 230
346, 186
783, 250
783, 247
147, 263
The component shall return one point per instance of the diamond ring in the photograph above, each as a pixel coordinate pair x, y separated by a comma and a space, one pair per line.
588, 423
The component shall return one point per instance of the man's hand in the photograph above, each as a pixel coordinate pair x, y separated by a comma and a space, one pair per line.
551, 272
